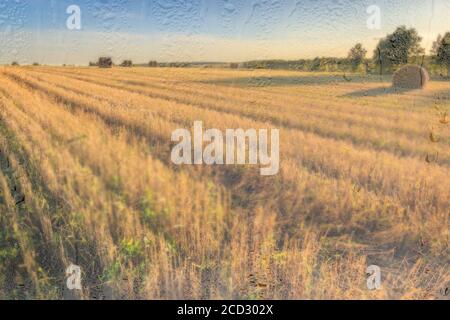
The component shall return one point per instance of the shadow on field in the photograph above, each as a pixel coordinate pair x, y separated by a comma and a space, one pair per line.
442, 94
266, 81
375, 92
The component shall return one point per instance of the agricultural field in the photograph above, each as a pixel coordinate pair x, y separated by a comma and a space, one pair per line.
87, 178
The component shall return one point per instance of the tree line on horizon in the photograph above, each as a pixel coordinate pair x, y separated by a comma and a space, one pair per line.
401, 47
397, 49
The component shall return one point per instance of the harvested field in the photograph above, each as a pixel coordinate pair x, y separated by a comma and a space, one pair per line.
86, 178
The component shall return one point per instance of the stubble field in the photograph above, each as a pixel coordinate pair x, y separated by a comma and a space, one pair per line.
86, 178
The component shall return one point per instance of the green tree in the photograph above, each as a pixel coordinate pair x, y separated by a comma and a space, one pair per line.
443, 51
436, 45
356, 56
398, 49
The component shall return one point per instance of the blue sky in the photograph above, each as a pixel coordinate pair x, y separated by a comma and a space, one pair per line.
205, 30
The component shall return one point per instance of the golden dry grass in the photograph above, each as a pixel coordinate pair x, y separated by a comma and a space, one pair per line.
86, 178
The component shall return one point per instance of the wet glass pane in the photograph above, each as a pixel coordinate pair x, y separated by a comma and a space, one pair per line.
224, 149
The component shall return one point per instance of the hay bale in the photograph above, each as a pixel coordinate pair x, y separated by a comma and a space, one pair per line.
411, 77
105, 62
